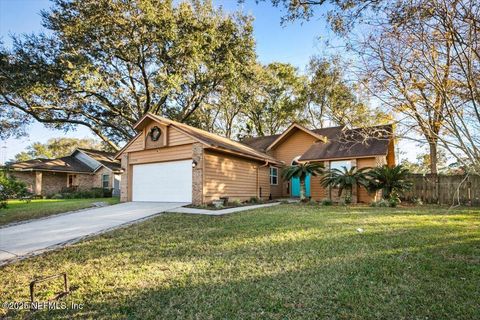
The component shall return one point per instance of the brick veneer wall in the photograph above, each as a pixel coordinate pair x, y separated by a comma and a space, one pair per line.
124, 187
27, 177
197, 174
98, 178
84, 181
53, 182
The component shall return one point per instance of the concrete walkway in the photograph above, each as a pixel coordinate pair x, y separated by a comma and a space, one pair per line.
38, 235
221, 211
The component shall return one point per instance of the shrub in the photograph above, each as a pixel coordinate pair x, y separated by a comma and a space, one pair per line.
417, 201
348, 199
10, 188
380, 203
56, 196
394, 201
327, 202
69, 193
393, 181
254, 200
236, 202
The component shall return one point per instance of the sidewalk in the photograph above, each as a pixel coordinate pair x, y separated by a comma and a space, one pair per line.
221, 212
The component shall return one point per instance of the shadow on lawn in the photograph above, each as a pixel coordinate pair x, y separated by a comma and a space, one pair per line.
377, 286
276, 266
194, 237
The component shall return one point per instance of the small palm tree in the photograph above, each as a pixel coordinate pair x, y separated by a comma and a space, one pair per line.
301, 171
345, 179
393, 181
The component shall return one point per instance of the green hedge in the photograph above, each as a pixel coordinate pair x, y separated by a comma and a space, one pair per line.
83, 194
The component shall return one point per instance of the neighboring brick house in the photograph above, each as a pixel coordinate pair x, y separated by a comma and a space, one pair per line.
82, 170
174, 162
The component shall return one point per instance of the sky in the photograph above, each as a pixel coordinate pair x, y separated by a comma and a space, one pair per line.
294, 43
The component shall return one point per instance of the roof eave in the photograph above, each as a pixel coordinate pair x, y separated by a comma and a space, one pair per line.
290, 128
49, 170
341, 158
274, 161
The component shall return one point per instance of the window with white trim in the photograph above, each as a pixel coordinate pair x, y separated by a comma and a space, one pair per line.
340, 164
273, 176
105, 181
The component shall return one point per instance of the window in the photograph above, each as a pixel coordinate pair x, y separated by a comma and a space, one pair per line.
273, 175
71, 180
105, 181
340, 164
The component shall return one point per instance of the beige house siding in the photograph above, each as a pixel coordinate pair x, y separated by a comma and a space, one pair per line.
137, 144
317, 192
277, 190
161, 154
221, 174
173, 145
177, 138
233, 177
291, 147
363, 195
264, 187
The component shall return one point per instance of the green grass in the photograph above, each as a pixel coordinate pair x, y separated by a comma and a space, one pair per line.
284, 262
19, 210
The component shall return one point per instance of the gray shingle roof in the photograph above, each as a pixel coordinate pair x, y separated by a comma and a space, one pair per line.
64, 164
104, 157
352, 143
341, 142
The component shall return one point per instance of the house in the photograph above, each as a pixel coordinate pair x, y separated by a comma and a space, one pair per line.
171, 161
82, 170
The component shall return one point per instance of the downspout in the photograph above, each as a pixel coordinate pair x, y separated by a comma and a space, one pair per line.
258, 182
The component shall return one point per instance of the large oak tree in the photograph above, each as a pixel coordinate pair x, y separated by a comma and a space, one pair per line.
104, 63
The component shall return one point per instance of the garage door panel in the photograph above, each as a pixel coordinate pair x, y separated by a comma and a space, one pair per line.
166, 181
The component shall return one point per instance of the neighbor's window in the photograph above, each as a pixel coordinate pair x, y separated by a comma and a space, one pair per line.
340, 164
273, 175
71, 180
105, 181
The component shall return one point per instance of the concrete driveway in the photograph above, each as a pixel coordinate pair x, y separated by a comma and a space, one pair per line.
38, 235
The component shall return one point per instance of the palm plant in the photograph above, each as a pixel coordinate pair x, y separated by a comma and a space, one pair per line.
393, 181
345, 179
301, 171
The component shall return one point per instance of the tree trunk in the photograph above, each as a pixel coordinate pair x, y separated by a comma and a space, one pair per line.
433, 168
303, 189
433, 157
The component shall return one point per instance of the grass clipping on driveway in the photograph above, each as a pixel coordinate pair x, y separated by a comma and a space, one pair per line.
19, 210
288, 261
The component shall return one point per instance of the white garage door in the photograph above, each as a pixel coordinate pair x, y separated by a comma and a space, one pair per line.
166, 181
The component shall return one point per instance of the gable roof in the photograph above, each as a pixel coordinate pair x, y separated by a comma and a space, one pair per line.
262, 143
63, 164
349, 143
294, 126
105, 158
209, 139
69, 163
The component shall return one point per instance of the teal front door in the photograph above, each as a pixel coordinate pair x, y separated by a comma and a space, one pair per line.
296, 186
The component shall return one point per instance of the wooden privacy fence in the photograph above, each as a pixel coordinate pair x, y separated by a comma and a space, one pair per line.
443, 189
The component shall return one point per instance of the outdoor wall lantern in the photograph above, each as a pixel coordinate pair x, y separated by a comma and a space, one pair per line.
194, 164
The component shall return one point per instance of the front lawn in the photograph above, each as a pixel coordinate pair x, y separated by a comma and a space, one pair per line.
19, 210
282, 262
